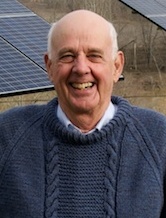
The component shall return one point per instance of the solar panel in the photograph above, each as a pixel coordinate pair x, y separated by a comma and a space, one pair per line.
23, 41
27, 34
18, 73
154, 10
12, 6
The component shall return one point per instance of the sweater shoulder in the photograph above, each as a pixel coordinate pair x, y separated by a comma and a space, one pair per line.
17, 121
18, 115
149, 118
152, 125
138, 115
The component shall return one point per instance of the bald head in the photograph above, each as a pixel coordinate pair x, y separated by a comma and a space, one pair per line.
81, 17
84, 21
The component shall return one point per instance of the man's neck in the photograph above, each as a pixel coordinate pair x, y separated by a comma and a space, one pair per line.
86, 124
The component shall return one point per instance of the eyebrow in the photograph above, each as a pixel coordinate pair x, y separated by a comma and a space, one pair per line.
65, 50
95, 50
72, 50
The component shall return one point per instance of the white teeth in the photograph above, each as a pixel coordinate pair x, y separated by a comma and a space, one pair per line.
82, 85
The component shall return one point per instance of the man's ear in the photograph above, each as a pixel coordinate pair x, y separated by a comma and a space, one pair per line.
48, 64
119, 64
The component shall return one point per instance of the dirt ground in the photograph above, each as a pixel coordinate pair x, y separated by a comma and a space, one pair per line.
145, 89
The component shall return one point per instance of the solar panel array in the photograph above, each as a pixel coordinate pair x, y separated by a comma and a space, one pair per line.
23, 41
154, 10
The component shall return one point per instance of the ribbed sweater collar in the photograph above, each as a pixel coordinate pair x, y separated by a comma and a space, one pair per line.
59, 130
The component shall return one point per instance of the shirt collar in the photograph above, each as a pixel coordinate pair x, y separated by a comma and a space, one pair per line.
108, 115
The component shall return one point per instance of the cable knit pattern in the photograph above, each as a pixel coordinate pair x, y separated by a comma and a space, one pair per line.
110, 181
52, 180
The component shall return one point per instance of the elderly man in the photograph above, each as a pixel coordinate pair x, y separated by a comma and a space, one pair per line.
86, 154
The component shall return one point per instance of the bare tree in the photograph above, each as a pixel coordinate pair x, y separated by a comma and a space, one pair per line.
102, 7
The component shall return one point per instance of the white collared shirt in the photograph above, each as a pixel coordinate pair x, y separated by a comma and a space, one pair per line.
108, 115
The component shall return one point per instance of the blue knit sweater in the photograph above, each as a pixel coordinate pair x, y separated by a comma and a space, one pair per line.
48, 171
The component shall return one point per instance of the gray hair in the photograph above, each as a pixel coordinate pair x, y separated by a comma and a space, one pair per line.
50, 39
113, 35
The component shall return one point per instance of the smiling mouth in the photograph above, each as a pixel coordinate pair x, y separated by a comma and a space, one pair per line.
82, 85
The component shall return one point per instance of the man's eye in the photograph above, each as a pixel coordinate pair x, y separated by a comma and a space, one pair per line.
95, 57
67, 58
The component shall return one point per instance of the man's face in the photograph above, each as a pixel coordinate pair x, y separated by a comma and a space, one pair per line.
82, 68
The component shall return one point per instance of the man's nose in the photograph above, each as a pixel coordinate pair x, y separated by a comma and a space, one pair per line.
81, 65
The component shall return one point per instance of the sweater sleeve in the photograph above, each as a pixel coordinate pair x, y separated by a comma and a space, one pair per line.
21, 163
